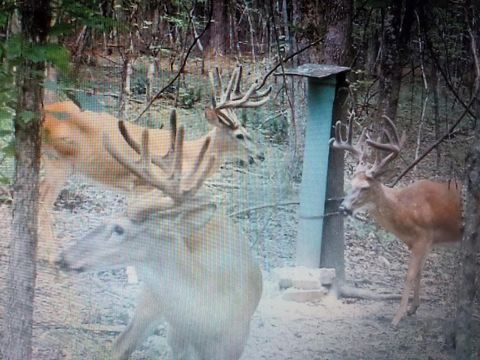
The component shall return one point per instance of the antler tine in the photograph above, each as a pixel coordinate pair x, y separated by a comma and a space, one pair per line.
157, 160
219, 78
240, 102
214, 92
173, 134
393, 146
257, 94
174, 184
232, 96
394, 143
178, 156
226, 95
236, 92
338, 142
202, 175
137, 168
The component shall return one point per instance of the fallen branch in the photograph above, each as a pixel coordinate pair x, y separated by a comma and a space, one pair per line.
84, 327
347, 291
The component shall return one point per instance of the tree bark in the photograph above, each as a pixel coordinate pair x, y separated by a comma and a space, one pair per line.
470, 246
337, 45
389, 74
218, 34
17, 341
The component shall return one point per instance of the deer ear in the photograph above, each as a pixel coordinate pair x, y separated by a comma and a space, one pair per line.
195, 219
212, 117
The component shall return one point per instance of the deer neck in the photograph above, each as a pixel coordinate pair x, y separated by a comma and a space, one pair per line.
386, 209
219, 146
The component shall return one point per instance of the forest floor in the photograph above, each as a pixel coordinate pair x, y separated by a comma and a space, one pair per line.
77, 316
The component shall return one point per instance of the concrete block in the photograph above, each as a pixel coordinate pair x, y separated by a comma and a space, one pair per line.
303, 296
301, 277
326, 276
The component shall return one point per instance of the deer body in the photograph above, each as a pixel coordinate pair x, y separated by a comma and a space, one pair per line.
194, 262
73, 145
206, 285
424, 209
422, 215
74, 138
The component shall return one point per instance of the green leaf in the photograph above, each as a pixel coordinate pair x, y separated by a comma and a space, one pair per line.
26, 116
4, 180
57, 55
13, 47
61, 29
9, 150
35, 53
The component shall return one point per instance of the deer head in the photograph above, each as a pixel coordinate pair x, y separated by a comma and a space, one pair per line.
365, 183
222, 116
159, 224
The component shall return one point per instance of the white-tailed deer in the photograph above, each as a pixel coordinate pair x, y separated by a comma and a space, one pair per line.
195, 264
422, 214
73, 144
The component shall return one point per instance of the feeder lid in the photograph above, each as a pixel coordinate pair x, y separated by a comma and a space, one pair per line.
318, 71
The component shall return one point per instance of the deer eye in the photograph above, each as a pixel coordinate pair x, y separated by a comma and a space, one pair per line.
118, 230
240, 137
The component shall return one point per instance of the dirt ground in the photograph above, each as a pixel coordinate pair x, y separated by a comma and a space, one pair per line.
77, 316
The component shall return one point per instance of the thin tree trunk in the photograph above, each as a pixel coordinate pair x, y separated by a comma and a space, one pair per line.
436, 110
150, 78
470, 246
389, 69
17, 341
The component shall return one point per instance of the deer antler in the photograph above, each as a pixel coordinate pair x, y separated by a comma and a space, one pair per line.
162, 161
175, 184
393, 146
338, 142
232, 97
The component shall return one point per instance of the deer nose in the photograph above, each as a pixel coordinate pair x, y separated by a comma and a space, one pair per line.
252, 159
344, 210
62, 264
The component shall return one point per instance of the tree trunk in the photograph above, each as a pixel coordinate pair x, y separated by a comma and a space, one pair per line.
469, 250
218, 34
470, 246
337, 45
17, 341
389, 74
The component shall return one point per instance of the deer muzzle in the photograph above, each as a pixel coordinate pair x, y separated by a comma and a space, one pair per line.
344, 209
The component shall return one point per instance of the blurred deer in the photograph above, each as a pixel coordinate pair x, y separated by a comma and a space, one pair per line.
195, 264
73, 144
422, 214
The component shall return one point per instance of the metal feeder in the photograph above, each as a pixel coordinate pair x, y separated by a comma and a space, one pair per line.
322, 85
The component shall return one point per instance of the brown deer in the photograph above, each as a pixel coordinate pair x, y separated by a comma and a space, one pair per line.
422, 214
195, 264
73, 144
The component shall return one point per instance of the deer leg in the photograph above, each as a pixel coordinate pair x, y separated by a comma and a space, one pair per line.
56, 173
147, 316
416, 290
414, 268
